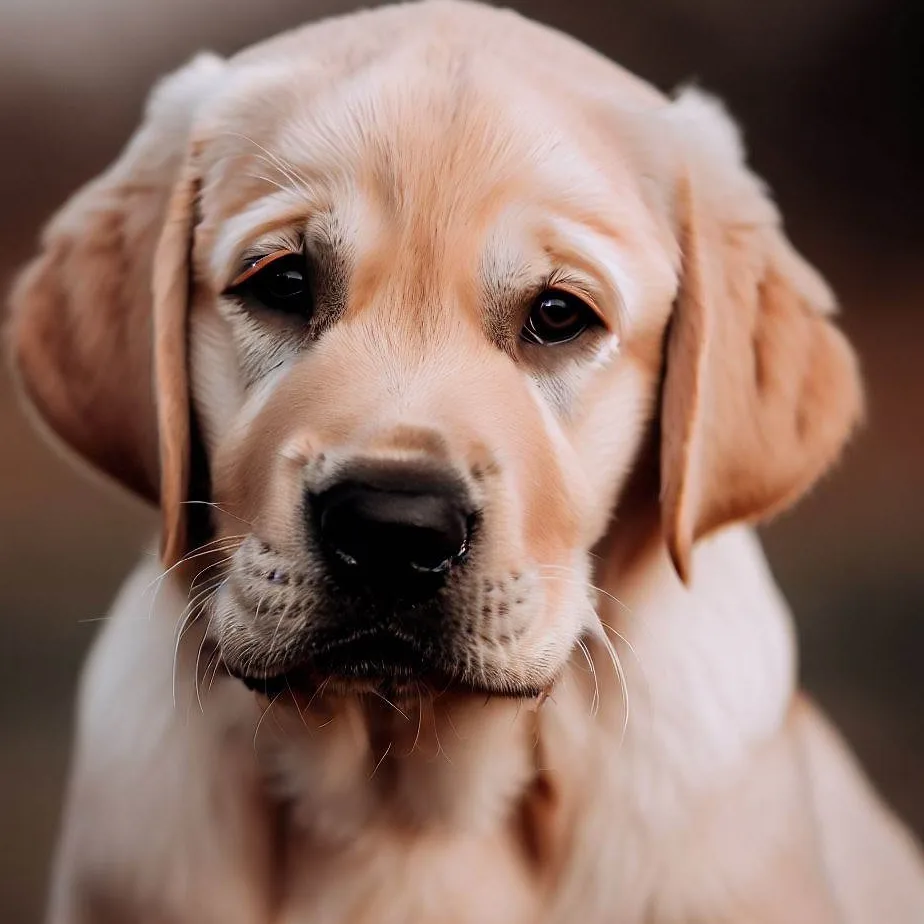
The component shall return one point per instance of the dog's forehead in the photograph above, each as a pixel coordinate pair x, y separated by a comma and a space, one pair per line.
386, 81
426, 140
450, 124
444, 29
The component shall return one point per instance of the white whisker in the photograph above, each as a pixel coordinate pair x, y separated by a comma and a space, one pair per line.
266, 179
227, 543
295, 701
317, 692
385, 699
579, 580
209, 548
187, 618
216, 662
282, 616
595, 702
288, 170
225, 511
452, 724
625, 642
198, 659
623, 683
380, 760
256, 730
194, 583
419, 720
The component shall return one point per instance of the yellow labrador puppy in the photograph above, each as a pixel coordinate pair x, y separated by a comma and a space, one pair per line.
458, 361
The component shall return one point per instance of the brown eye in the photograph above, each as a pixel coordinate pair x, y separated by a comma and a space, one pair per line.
557, 317
281, 284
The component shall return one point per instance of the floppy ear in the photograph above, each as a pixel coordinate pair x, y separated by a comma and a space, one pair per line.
761, 389
113, 267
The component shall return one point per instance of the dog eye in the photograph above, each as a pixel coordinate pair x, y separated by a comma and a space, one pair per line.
279, 283
557, 317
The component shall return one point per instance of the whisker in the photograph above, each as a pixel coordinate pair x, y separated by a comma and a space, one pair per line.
256, 730
216, 658
618, 668
419, 720
295, 702
382, 697
623, 683
452, 724
208, 548
625, 642
277, 164
288, 170
198, 659
595, 702
187, 618
282, 616
159, 580
108, 617
321, 686
644, 674
198, 552
224, 510
381, 760
516, 714
266, 179
194, 583
439, 744
583, 582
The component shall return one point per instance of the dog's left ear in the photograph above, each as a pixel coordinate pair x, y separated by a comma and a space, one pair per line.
761, 389
99, 324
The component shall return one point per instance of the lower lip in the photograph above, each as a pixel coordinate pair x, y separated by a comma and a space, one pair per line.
303, 683
371, 662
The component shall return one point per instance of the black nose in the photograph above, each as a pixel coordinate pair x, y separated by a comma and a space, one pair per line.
398, 529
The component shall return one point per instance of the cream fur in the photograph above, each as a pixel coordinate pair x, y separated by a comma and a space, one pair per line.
671, 773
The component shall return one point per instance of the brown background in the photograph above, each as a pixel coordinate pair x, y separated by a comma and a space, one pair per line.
830, 94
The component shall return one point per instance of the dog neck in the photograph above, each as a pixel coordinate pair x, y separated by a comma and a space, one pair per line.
346, 764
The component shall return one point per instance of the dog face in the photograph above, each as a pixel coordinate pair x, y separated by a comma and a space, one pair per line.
411, 299
406, 365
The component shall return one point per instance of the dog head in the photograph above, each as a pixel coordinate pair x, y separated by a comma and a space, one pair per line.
400, 297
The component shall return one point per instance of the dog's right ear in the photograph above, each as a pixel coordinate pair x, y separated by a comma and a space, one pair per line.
100, 313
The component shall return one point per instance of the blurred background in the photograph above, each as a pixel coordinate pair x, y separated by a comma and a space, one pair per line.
831, 96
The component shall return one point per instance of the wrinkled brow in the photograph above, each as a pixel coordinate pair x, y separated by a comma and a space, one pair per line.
516, 266
273, 222
279, 222
243, 233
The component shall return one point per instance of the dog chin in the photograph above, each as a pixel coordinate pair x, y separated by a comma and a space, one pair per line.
378, 667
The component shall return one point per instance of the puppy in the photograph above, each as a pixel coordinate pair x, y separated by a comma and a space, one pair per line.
457, 360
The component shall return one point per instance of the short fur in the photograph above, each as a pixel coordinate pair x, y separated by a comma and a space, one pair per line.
654, 762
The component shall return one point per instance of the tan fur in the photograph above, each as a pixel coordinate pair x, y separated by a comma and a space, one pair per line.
442, 161
746, 436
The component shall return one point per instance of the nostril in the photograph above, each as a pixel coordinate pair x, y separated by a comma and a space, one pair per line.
393, 535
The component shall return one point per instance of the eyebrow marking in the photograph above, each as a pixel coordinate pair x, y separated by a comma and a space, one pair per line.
263, 341
277, 214
587, 253
582, 256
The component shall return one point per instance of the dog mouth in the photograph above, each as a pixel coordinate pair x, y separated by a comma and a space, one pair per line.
372, 662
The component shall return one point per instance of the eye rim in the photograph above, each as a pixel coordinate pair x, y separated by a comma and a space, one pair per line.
245, 285
531, 336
